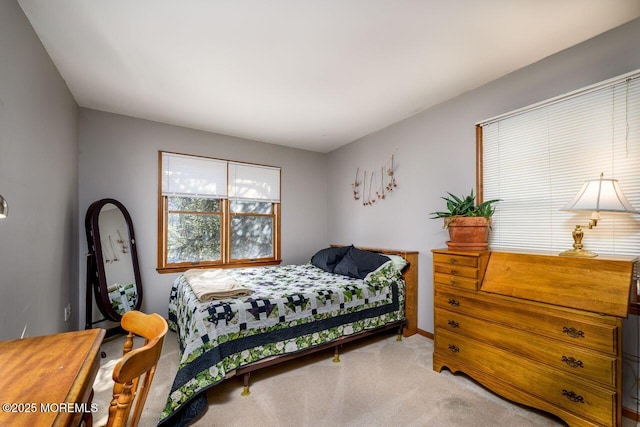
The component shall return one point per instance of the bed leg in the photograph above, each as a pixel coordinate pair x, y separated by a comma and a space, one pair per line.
336, 354
245, 387
399, 337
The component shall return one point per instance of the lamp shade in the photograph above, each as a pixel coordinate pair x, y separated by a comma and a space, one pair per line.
600, 195
4, 208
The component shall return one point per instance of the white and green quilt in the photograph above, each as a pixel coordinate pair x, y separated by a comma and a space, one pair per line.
291, 308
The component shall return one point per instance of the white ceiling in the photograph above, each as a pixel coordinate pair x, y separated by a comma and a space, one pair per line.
312, 74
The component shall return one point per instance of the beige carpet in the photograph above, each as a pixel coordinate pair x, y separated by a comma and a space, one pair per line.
379, 382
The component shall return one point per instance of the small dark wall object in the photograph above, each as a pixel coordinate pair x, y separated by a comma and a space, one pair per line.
113, 274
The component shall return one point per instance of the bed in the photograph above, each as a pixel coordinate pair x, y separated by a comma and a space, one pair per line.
344, 293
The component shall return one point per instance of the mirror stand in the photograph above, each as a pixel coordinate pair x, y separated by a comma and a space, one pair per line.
113, 274
112, 327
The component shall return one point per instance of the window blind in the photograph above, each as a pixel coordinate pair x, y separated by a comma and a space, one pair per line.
536, 160
254, 182
193, 176
184, 175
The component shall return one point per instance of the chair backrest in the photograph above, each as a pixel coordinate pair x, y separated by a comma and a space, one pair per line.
129, 383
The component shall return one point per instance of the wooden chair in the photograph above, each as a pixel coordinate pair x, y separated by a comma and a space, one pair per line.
129, 385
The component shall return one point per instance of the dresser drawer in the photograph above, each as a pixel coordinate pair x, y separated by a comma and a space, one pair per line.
562, 390
456, 260
573, 360
456, 270
595, 332
451, 280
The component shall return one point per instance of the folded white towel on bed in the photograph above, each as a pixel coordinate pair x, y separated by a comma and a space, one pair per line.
214, 284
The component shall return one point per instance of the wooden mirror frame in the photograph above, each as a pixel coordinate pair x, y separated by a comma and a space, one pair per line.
96, 276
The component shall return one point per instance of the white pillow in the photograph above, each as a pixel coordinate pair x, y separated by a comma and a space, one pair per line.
398, 262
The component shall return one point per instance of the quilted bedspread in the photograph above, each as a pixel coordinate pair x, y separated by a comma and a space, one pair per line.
291, 308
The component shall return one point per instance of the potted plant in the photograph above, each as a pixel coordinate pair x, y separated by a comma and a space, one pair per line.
467, 222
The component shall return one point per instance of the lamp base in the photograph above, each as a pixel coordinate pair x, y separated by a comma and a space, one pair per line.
580, 253
578, 250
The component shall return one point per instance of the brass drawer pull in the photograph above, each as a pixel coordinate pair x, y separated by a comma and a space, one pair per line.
453, 324
454, 271
572, 396
452, 281
572, 362
452, 260
573, 332
453, 302
453, 348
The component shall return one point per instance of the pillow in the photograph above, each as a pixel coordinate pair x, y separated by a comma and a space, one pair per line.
358, 263
386, 273
398, 262
328, 258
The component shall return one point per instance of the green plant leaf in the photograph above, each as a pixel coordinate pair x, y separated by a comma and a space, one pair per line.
465, 206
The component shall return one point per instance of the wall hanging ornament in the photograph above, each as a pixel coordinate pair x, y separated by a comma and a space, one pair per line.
392, 179
115, 254
381, 186
122, 243
356, 186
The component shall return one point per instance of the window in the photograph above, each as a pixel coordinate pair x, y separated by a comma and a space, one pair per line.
537, 158
216, 212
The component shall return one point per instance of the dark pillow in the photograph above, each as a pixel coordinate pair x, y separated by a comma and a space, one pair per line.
358, 263
328, 258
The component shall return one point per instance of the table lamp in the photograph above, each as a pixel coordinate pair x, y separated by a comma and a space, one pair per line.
595, 196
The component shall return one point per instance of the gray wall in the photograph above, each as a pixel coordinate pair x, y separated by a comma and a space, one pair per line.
435, 151
43, 239
39, 178
119, 160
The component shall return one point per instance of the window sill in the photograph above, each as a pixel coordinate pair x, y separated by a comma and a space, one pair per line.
183, 268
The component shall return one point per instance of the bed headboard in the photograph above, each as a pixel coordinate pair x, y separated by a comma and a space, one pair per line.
410, 276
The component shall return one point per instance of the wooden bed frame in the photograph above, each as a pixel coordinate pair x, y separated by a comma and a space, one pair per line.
406, 327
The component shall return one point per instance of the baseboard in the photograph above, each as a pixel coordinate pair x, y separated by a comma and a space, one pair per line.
425, 333
626, 412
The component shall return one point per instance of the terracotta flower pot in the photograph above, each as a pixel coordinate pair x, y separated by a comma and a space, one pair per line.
468, 233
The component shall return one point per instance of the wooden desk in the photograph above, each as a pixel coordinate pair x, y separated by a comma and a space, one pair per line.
48, 380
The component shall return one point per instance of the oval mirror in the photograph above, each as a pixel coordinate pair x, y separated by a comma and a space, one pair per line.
113, 275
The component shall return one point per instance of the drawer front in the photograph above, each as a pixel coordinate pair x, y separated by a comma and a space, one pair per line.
578, 397
573, 360
456, 270
537, 318
465, 261
450, 280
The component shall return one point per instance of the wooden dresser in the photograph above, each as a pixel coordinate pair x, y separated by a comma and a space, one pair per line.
541, 330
